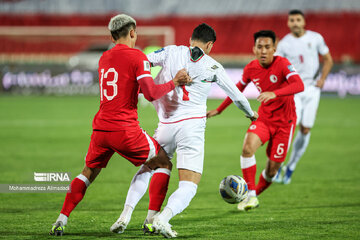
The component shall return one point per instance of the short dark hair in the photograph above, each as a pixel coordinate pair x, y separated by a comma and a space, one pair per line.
296, 11
123, 31
265, 33
204, 33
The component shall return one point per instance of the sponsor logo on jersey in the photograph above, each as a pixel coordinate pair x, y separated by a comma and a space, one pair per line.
255, 80
291, 68
146, 66
160, 50
273, 78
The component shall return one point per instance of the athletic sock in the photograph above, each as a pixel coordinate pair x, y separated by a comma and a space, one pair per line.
264, 183
125, 215
157, 191
76, 193
158, 188
248, 167
179, 200
63, 218
138, 186
300, 144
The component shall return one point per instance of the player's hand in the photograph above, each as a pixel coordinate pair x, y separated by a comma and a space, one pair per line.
253, 118
212, 113
266, 96
320, 83
182, 78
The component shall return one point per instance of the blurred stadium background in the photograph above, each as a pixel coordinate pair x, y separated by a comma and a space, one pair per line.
49, 51
52, 46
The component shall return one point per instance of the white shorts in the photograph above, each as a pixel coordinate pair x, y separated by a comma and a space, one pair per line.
187, 138
307, 103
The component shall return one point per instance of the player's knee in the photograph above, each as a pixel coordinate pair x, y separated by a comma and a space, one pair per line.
248, 150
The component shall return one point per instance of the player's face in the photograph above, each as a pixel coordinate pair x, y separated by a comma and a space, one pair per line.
264, 50
296, 23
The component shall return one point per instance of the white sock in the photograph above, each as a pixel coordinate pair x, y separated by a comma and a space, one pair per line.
62, 218
252, 193
125, 215
150, 216
179, 200
299, 146
246, 162
138, 186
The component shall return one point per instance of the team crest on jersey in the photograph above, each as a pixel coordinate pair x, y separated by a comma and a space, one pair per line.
252, 127
273, 78
291, 68
146, 66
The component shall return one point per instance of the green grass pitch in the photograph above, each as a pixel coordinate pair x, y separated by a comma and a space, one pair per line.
51, 134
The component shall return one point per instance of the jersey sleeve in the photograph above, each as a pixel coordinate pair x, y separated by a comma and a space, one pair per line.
321, 45
142, 66
295, 84
150, 90
158, 58
226, 84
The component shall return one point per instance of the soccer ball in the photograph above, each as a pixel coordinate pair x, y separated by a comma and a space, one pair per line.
233, 189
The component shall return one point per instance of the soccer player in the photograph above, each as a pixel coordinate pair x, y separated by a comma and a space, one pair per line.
277, 81
122, 70
302, 48
182, 115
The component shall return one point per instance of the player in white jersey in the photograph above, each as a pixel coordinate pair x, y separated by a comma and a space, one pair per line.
182, 116
302, 48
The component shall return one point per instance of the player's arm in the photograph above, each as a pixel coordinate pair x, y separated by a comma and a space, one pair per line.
327, 60
233, 91
154, 91
295, 85
158, 58
327, 65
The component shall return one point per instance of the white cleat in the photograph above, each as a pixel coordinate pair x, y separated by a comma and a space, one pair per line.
248, 203
118, 227
163, 228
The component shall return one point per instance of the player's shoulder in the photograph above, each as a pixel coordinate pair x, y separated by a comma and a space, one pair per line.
287, 38
313, 34
252, 65
211, 64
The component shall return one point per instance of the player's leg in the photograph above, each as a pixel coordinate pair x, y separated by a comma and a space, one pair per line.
145, 148
190, 159
298, 99
302, 139
96, 158
276, 151
178, 201
256, 135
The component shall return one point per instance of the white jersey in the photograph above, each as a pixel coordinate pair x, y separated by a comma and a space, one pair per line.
188, 102
303, 53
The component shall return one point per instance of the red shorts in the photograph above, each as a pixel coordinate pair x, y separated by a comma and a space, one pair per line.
279, 138
135, 145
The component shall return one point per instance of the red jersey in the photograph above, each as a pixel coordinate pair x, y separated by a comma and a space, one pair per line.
279, 77
121, 70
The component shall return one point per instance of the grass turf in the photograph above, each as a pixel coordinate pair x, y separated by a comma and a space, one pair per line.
51, 134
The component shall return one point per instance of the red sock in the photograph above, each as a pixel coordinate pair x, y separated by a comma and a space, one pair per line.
74, 196
262, 184
249, 176
158, 188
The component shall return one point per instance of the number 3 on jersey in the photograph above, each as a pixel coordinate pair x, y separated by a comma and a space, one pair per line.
112, 83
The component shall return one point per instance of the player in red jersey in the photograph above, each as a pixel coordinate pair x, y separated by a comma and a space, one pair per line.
277, 81
123, 70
